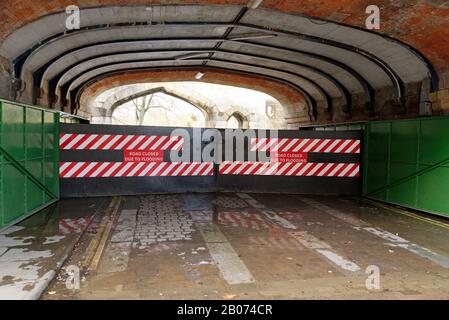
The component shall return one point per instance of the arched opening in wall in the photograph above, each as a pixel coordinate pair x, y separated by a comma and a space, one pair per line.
234, 122
237, 121
158, 109
187, 104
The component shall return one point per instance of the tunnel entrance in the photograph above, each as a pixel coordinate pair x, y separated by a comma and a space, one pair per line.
187, 104
158, 109
164, 149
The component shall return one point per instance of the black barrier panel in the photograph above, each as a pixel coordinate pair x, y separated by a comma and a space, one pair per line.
333, 165
302, 185
125, 160
92, 162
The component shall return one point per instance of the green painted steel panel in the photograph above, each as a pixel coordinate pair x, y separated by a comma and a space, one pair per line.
34, 196
403, 193
376, 174
13, 128
431, 196
14, 193
434, 141
29, 157
405, 163
51, 174
379, 141
33, 134
404, 142
400, 170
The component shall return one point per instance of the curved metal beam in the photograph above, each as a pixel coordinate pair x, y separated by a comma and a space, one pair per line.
77, 92
385, 67
394, 77
243, 10
343, 91
369, 90
434, 78
65, 90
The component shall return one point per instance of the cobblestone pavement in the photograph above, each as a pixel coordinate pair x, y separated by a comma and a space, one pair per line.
162, 219
230, 202
249, 246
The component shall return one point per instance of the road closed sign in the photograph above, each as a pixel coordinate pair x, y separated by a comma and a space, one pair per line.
144, 156
294, 157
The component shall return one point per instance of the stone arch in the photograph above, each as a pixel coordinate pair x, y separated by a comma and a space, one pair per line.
296, 109
241, 118
107, 108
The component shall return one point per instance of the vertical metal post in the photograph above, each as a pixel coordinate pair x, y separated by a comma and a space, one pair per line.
25, 152
42, 126
57, 117
390, 133
2, 204
417, 168
366, 135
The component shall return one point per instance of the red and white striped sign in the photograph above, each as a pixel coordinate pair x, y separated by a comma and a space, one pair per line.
77, 141
134, 169
306, 145
290, 169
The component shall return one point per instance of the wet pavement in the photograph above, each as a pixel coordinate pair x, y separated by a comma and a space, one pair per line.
32, 251
229, 246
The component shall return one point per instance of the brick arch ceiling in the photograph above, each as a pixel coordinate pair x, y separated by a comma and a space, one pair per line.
337, 67
428, 19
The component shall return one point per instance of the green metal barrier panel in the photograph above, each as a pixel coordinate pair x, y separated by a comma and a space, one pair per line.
407, 163
29, 156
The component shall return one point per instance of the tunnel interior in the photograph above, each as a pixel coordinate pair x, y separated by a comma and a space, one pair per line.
224, 149
320, 70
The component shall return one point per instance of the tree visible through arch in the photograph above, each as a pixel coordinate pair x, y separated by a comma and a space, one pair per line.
143, 104
160, 109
